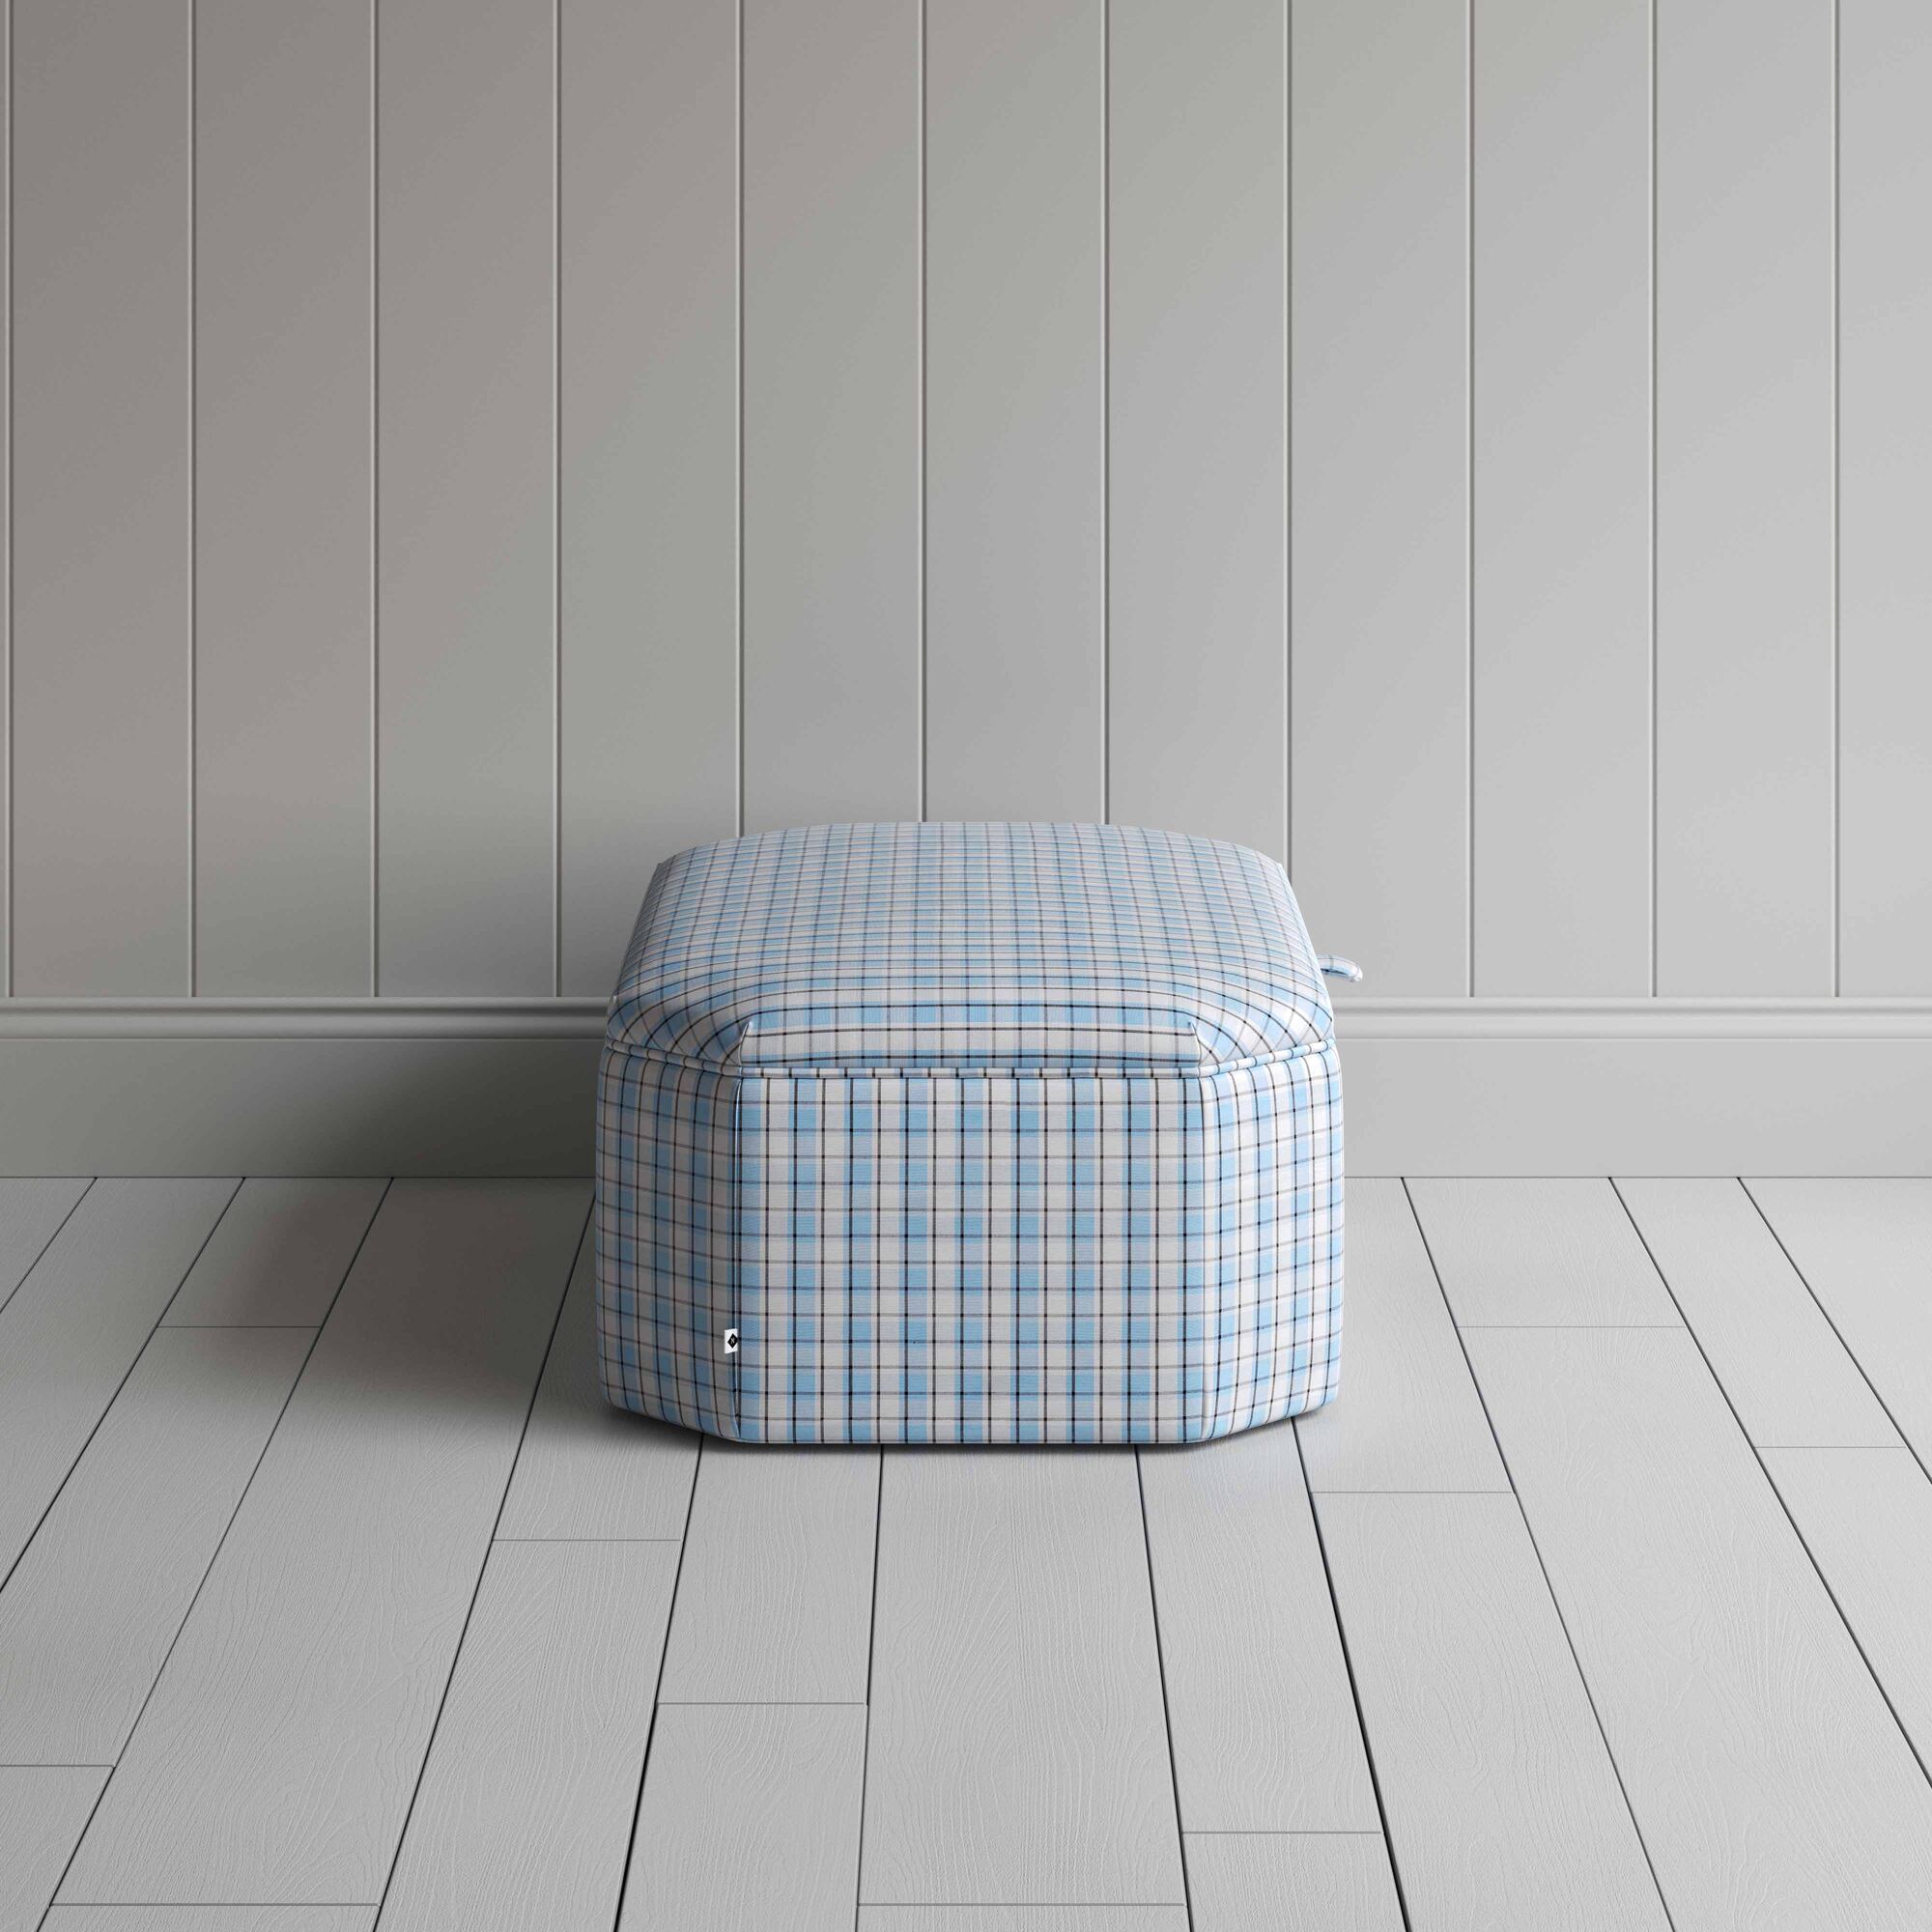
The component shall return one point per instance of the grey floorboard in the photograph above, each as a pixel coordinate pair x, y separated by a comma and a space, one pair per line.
1023, 1919
1538, 1253
31, 1213
1019, 1749
585, 1469
1409, 1416
1865, 1515
278, 1256
1259, 1713
1788, 1377
1866, 1249
1772, 1786
88, 1617
531, 1783
1297, 1882
276, 1761
749, 1818
75, 1324
42, 1811
774, 1602
211, 1919
1502, 1802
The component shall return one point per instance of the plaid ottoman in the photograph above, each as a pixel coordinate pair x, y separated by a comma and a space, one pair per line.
970, 1133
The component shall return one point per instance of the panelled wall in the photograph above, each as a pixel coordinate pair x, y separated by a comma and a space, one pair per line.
463, 450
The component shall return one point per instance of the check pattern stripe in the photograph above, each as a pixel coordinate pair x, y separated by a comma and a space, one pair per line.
1048, 1221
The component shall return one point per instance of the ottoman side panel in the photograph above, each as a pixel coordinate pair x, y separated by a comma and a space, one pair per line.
970, 1258
1273, 1161
823, 1161
667, 1239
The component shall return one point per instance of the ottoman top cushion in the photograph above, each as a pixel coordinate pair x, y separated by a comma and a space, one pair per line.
1051, 947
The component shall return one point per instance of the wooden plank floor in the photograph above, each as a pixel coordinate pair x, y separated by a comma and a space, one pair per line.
337, 1599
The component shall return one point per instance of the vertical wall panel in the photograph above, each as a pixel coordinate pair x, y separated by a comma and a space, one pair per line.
1380, 467
6, 503
283, 355
831, 411
466, 374
1744, 497
100, 233
1885, 456
1197, 362
1561, 501
648, 329
1015, 408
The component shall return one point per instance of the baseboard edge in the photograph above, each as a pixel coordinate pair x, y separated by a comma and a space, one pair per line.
465, 1086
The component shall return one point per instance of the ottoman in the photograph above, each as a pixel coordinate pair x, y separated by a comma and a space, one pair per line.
970, 1133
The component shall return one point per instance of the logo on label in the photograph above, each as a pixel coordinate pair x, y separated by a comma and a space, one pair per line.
730, 1341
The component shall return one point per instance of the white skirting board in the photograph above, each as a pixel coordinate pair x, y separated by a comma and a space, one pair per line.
471, 1087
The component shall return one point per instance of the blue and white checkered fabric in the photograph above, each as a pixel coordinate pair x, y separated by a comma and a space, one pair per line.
940, 1133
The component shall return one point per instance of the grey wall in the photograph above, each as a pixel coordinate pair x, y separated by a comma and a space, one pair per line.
463, 453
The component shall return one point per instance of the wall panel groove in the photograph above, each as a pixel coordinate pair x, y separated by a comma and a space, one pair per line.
1651, 828
1838, 471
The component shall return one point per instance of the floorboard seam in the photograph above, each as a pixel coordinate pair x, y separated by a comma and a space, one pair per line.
132, 1364
1818, 1302
1771, 1481
1536, 1549
761, 1704
1161, 1664
586, 1539
1838, 1448
483, 1568
39, 1254
1355, 1694
221, 1542
859, 1899
664, 1652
